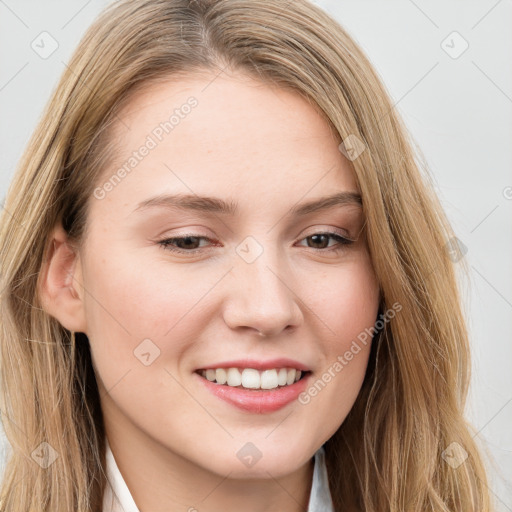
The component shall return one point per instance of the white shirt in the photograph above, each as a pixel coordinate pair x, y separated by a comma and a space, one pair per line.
117, 497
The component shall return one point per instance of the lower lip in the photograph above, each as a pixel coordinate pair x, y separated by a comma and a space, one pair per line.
257, 401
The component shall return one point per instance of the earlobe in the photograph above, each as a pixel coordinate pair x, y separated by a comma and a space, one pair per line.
60, 285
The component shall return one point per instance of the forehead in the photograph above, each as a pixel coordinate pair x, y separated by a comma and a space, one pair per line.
221, 136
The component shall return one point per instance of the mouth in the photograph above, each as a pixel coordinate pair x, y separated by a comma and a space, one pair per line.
253, 379
253, 391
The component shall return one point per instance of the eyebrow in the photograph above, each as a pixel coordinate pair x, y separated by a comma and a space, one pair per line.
219, 206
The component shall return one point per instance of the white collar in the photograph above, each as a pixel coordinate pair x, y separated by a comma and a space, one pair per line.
117, 497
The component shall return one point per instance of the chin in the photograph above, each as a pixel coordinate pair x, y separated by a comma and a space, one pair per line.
247, 463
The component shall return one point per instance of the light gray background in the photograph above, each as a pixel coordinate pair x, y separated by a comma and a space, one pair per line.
457, 109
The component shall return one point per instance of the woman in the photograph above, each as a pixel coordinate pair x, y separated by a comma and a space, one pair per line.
307, 352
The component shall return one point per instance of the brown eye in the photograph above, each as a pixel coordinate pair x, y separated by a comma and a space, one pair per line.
185, 244
320, 241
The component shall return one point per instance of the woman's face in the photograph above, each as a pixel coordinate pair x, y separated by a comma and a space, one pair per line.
157, 314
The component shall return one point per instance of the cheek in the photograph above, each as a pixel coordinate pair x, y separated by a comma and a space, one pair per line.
126, 307
346, 300
348, 308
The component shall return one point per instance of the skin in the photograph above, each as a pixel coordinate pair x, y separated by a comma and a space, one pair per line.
267, 149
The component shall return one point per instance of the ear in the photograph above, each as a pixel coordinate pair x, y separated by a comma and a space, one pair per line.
60, 285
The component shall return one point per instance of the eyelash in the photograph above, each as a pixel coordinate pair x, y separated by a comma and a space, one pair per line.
342, 241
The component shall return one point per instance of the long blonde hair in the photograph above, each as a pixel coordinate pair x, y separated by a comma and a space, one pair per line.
388, 453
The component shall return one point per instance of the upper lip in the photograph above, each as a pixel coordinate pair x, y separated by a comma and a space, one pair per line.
282, 362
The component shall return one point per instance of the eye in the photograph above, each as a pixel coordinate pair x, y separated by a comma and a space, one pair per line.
186, 244
320, 238
189, 244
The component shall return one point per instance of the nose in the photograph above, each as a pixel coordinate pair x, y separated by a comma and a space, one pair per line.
261, 299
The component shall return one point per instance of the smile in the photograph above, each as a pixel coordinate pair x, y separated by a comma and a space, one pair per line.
256, 399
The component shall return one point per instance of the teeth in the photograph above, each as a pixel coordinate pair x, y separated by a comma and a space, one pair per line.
253, 379
234, 377
269, 379
282, 376
221, 376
